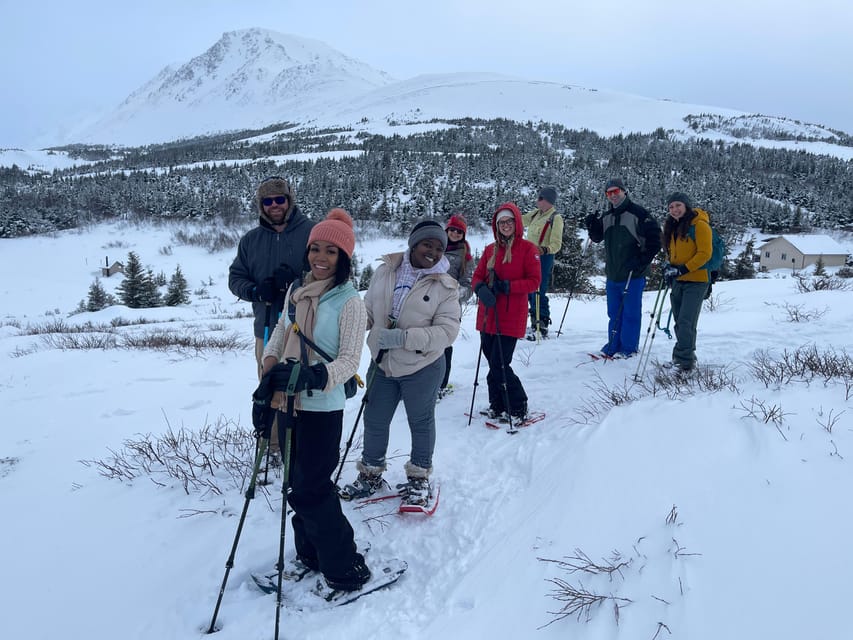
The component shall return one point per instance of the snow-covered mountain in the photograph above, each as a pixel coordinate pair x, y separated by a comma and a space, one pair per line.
249, 78
255, 77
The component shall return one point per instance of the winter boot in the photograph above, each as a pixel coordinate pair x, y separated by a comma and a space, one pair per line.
368, 482
417, 490
353, 579
544, 323
520, 413
493, 414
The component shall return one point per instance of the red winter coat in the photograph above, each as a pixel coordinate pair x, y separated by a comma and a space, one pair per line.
523, 272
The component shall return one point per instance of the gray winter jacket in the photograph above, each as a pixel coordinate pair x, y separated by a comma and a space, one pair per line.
259, 252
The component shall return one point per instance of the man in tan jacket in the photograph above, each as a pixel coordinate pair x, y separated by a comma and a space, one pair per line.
544, 229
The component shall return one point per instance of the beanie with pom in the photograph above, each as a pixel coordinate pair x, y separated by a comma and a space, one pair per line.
336, 229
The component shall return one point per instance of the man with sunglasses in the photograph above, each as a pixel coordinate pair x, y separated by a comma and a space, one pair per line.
269, 258
632, 238
544, 229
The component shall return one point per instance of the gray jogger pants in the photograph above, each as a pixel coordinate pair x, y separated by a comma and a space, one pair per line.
418, 391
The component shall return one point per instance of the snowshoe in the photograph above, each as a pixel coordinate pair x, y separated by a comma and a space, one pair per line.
363, 486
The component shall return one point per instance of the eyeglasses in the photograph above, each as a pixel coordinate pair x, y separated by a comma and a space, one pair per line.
267, 202
613, 191
454, 230
506, 221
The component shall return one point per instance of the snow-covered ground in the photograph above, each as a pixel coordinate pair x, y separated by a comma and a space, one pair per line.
730, 523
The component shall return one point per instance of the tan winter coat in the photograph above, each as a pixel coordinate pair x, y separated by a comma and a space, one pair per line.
429, 317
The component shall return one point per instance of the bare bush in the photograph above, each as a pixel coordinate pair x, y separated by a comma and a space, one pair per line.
84, 341
192, 343
604, 397
757, 409
579, 601
828, 421
807, 284
716, 302
798, 312
804, 364
216, 459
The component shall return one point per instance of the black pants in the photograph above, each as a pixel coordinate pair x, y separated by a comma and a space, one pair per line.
493, 346
320, 529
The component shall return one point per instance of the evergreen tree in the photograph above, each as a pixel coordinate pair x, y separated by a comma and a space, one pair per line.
572, 267
744, 266
151, 295
131, 291
820, 266
178, 292
98, 298
366, 277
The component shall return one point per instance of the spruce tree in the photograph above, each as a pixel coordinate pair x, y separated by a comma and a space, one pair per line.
131, 291
820, 266
572, 267
98, 298
151, 293
178, 292
744, 266
366, 276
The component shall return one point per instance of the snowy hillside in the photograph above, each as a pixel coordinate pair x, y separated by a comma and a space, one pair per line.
693, 510
255, 77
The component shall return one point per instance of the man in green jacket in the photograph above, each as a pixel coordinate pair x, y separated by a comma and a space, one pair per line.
544, 229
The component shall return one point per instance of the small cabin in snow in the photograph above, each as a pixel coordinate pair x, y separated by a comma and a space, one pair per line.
110, 269
800, 251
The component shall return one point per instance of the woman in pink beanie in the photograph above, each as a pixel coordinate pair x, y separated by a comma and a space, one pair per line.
326, 308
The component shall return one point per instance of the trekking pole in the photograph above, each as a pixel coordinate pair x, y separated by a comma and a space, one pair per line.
617, 326
250, 493
538, 332
657, 309
476, 384
267, 321
574, 286
504, 385
371, 374
289, 417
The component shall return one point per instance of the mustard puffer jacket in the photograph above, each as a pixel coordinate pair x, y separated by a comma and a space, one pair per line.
693, 253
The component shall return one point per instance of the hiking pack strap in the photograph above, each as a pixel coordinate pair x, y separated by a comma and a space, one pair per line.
545, 228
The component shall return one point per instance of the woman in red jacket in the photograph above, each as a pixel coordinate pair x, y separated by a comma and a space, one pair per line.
508, 271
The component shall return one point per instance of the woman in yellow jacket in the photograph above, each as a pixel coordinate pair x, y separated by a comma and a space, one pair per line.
687, 253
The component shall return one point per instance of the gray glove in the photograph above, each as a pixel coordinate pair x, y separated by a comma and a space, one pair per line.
391, 338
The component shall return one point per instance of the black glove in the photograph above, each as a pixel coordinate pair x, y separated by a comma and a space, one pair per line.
485, 295
262, 418
267, 291
590, 220
501, 286
262, 413
283, 276
671, 272
313, 377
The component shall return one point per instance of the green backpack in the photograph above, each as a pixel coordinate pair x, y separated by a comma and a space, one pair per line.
718, 246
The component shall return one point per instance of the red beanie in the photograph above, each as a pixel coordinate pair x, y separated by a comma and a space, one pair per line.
457, 221
336, 229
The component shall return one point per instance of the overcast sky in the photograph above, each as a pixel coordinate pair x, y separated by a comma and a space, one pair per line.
63, 60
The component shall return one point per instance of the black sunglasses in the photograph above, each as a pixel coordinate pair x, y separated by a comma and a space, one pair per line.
277, 199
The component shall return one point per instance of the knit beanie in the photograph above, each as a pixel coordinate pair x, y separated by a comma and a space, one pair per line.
504, 213
549, 194
457, 221
614, 183
275, 186
336, 228
678, 196
426, 229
